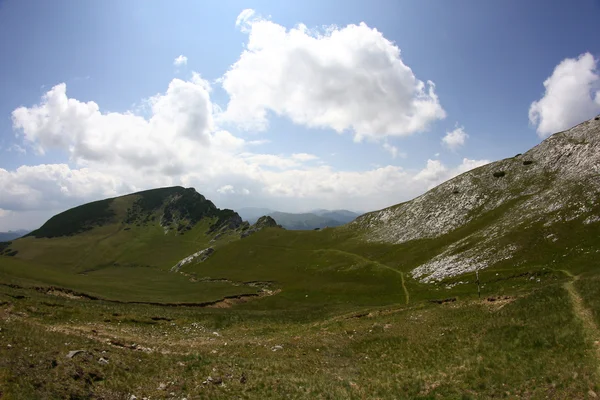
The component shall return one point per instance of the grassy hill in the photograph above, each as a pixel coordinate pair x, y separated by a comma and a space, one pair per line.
384, 307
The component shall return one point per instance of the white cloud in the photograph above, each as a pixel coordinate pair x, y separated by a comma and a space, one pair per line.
176, 142
226, 189
349, 78
456, 138
304, 157
572, 95
181, 116
181, 60
51, 186
393, 150
17, 148
244, 17
435, 172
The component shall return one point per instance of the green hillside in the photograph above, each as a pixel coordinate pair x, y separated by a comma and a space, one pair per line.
484, 287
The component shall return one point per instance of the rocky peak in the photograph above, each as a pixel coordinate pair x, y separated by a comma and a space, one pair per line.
557, 180
263, 222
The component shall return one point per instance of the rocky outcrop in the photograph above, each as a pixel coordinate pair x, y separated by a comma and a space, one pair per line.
556, 181
263, 222
199, 256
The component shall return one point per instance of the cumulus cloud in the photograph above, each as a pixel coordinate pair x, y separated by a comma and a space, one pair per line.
181, 115
181, 60
349, 78
456, 138
572, 95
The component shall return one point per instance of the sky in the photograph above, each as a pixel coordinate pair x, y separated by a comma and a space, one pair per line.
287, 105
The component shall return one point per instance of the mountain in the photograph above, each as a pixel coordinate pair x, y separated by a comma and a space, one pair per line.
252, 214
154, 227
300, 221
530, 208
12, 235
303, 221
173, 208
343, 216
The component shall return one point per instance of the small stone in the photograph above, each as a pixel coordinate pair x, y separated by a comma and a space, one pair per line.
592, 394
275, 348
162, 386
216, 333
73, 353
9, 346
133, 397
103, 361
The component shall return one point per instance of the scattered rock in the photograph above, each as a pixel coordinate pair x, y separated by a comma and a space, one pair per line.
202, 255
215, 381
73, 353
162, 386
592, 394
133, 397
103, 361
275, 348
263, 222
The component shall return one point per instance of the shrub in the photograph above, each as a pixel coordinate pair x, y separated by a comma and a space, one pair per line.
499, 174
527, 162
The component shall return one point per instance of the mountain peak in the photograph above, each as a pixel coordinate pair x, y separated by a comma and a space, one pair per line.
174, 208
556, 181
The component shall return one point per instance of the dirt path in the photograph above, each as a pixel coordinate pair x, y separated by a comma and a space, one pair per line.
583, 313
364, 259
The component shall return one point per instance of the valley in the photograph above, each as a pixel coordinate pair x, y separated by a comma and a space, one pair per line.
385, 306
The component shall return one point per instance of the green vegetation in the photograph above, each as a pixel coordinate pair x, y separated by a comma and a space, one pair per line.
273, 313
77, 220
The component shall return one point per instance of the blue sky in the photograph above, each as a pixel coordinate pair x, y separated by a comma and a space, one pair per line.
326, 117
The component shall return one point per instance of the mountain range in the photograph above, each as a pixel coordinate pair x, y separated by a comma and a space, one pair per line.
315, 219
12, 235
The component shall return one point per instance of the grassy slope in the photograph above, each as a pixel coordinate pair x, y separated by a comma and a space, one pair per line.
136, 283
530, 347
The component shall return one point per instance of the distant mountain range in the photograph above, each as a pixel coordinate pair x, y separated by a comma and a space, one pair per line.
300, 221
12, 235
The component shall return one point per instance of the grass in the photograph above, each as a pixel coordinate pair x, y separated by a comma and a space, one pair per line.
125, 284
344, 318
528, 347
350, 322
